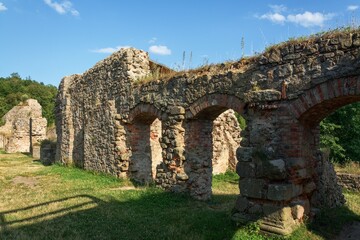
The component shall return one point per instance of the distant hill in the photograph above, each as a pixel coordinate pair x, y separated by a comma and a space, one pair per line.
14, 89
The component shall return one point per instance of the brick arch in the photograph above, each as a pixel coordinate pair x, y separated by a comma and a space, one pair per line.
215, 105
144, 131
323, 99
145, 113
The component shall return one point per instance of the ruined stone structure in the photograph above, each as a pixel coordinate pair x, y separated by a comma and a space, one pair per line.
112, 119
24, 127
349, 181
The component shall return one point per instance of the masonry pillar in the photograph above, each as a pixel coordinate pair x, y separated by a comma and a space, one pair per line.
170, 173
268, 191
64, 123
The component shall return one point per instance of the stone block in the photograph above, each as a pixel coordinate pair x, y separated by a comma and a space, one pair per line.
299, 208
295, 163
177, 110
283, 192
309, 187
246, 169
256, 209
252, 187
262, 95
241, 203
35, 151
182, 176
301, 173
277, 213
274, 169
278, 219
297, 212
244, 154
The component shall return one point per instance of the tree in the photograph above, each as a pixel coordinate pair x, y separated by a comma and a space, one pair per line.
340, 132
14, 90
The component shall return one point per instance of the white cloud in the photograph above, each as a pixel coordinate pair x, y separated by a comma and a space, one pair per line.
309, 19
2, 7
352, 7
62, 8
306, 19
274, 17
160, 50
278, 8
153, 40
109, 49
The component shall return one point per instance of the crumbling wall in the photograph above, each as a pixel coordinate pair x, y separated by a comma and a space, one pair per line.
87, 127
283, 94
24, 127
226, 140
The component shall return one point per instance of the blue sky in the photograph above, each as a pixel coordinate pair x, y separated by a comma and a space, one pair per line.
49, 39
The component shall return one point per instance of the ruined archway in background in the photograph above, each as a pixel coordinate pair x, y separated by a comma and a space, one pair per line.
203, 142
144, 132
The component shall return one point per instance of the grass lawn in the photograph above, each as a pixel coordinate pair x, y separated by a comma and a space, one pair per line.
53, 202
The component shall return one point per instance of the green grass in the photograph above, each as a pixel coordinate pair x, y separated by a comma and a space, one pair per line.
69, 203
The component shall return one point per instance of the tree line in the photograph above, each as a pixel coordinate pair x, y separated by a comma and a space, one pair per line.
340, 133
14, 89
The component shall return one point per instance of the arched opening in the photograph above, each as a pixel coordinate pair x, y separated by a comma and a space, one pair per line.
146, 152
318, 170
212, 136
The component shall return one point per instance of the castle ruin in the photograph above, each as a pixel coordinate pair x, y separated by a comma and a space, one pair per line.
115, 119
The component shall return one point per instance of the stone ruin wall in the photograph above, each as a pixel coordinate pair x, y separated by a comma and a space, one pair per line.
24, 127
97, 139
348, 181
283, 95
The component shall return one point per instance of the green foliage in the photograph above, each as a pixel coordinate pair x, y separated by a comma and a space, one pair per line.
14, 90
340, 132
241, 120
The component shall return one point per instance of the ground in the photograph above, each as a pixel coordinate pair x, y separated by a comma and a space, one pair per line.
53, 202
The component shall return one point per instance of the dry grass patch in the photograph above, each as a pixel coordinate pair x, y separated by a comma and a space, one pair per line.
350, 167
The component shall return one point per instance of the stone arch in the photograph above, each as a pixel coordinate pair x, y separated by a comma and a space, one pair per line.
144, 131
310, 109
202, 129
216, 104
146, 112
321, 100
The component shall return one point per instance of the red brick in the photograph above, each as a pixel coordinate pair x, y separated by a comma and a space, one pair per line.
358, 86
306, 101
314, 95
338, 88
320, 93
324, 91
331, 90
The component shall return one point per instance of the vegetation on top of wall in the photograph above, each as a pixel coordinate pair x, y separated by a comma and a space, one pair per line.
14, 89
306, 40
245, 61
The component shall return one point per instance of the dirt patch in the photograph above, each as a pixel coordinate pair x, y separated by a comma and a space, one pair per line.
350, 232
28, 181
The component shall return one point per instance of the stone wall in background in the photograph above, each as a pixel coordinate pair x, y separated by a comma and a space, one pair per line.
226, 140
349, 181
24, 127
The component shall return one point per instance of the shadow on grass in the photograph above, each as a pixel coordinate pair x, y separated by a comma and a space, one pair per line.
329, 222
156, 215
